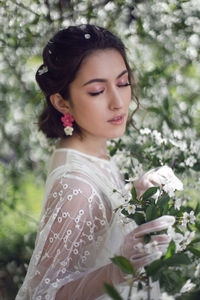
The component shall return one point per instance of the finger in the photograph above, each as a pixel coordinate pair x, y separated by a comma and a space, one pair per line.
140, 249
156, 225
165, 171
156, 179
145, 260
161, 239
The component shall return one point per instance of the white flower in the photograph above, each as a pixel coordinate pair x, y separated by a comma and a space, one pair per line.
169, 190
185, 219
68, 130
197, 271
139, 247
190, 161
131, 209
176, 237
192, 217
158, 139
188, 218
178, 134
178, 203
145, 131
187, 286
169, 179
194, 147
165, 296
152, 247
182, 145
188, 237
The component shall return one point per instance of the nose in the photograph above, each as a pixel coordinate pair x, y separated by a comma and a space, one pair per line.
116, 100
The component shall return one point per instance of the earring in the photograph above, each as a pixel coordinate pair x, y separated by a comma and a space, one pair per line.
67, 121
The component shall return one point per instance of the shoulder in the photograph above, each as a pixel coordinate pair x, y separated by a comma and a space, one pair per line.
74, 183
73, 192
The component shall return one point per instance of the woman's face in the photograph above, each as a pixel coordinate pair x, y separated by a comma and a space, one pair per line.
101, 94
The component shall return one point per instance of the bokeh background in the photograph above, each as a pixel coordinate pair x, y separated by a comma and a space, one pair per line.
163, 42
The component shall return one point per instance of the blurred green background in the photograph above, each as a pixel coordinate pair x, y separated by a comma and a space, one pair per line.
163, 42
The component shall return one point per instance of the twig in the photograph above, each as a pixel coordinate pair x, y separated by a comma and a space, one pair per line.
148, 289
130, 289
26, 8
48, 7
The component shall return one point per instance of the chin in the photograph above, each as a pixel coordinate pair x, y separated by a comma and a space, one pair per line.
117, 134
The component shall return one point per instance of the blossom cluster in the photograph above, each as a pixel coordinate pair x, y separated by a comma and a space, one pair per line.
183, 260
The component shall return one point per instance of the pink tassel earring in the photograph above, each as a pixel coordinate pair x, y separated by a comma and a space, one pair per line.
67, 121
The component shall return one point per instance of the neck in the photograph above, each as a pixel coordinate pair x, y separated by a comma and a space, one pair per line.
92, 146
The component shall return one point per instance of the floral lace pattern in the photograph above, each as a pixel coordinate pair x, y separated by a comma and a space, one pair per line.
77, 233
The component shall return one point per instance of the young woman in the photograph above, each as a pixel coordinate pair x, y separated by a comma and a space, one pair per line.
87, 83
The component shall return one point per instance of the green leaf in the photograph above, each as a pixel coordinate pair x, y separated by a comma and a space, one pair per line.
139, 218
196, 167
112, 292
195, 251
197, 209
140, 286
166, 104
197, 226
134, 194
124, 212
171, 250
123, 263
147, 238
150, 192
165, 209
113, 151
154, 109
163, 200
152, 213
154, 267
197, 240
178, 259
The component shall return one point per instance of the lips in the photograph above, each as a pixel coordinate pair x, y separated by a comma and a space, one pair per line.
117, 120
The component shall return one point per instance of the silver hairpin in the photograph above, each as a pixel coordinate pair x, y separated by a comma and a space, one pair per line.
43, 70
83, 26
87, 36
50, 52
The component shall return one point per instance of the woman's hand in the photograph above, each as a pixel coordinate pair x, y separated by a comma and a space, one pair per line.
137, 252
157, 177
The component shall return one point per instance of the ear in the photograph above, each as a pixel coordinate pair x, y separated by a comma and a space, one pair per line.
59, 103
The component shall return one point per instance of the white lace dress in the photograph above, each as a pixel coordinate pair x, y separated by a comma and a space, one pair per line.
78, 231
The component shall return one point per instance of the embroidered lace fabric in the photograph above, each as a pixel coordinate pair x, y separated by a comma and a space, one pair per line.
78, 231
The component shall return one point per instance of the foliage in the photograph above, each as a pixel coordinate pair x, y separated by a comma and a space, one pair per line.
178, 271
181, 263
17, 236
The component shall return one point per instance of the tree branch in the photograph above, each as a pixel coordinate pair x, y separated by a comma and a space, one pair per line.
26, 8
46, 2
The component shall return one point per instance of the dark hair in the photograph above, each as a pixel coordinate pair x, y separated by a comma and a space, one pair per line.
62, 58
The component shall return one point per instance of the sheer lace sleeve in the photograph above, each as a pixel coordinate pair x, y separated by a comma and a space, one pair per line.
71, 243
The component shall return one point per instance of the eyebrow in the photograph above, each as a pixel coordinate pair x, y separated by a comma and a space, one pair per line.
104, 80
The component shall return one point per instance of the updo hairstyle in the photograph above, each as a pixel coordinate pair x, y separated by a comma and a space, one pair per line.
62, 59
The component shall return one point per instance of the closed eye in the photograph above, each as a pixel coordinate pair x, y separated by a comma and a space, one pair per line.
124, 85
98, 93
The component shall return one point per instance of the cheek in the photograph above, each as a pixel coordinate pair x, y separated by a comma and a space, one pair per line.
128, 98
84, 111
